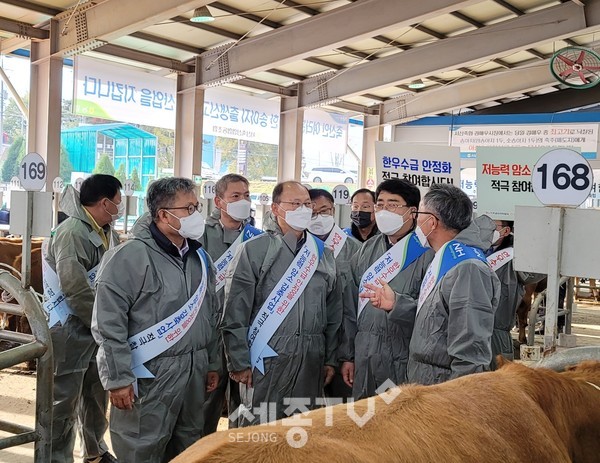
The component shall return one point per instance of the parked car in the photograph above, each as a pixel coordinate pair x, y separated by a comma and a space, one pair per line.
208, 172
331, 175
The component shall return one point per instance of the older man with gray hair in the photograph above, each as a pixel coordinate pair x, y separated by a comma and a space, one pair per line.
155, 320
458, 296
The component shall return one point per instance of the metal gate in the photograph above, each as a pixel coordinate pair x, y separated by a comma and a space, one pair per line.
33, 346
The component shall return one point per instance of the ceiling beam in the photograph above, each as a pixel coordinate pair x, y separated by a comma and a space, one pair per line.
333, 29
26, 5
167, 42
468, 49
142, 57
15, 43
267, 87
23, 29
243, 14
94, 24
562, 100
357, 108
467, 93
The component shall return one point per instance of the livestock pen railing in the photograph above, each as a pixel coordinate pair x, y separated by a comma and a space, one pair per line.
538, 308
37, 345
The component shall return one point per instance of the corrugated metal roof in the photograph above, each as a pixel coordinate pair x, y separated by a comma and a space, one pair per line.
115, 131
244, 22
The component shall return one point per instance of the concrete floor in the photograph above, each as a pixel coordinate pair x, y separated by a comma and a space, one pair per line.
17, 389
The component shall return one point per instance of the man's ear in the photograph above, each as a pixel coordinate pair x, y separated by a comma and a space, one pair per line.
161, 216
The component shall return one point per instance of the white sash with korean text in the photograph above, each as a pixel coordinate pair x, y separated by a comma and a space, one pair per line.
222, 263
280, 301
153, 341
336, 240
55, 303
446, 258
392, 262
500, 258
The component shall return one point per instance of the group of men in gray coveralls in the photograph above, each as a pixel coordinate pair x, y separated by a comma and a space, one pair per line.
191, 312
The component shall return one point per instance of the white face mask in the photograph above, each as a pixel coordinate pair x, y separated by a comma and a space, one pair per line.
321, 224
239, 210
299, 219
388, 222
422, 237
120, 210
495, 236
192, 226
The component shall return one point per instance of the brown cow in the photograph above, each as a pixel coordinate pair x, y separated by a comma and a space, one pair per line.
525, 307
469, 419
11, 255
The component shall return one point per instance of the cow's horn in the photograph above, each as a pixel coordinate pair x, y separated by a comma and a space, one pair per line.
562, 359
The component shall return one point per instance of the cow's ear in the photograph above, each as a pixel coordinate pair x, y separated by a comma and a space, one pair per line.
502, 361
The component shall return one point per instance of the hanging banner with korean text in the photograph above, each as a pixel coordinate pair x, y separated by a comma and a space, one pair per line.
325, 139
233, 114
423, 165
581, 137
114, 92
504, 180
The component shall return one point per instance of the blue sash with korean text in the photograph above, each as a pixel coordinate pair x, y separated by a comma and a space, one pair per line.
446, 258
390, 264
55, 303
281, 299
222, 263
153, 341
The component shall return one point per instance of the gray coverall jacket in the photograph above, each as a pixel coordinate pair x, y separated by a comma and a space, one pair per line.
511, 293
74, 249
512, 289
216, 241
141, 283
453, 328
307, 338
378, 342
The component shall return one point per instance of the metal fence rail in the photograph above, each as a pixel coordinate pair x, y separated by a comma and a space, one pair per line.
36, 346
540, 301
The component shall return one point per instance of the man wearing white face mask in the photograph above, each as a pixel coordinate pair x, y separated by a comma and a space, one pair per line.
323, 226
500, 258
375, 344
75, 250
282, 311
226, 228
458, 296
155, 323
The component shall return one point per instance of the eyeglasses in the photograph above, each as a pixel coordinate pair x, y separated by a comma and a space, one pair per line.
190, 209
297, 204
428, 213
325, 212
391, 207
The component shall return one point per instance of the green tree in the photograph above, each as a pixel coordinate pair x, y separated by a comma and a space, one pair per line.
14, 123
261, 159
15, 153
120, 173
135, 178
66, 168
70, 120
229, 151
104, 166
165, 146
